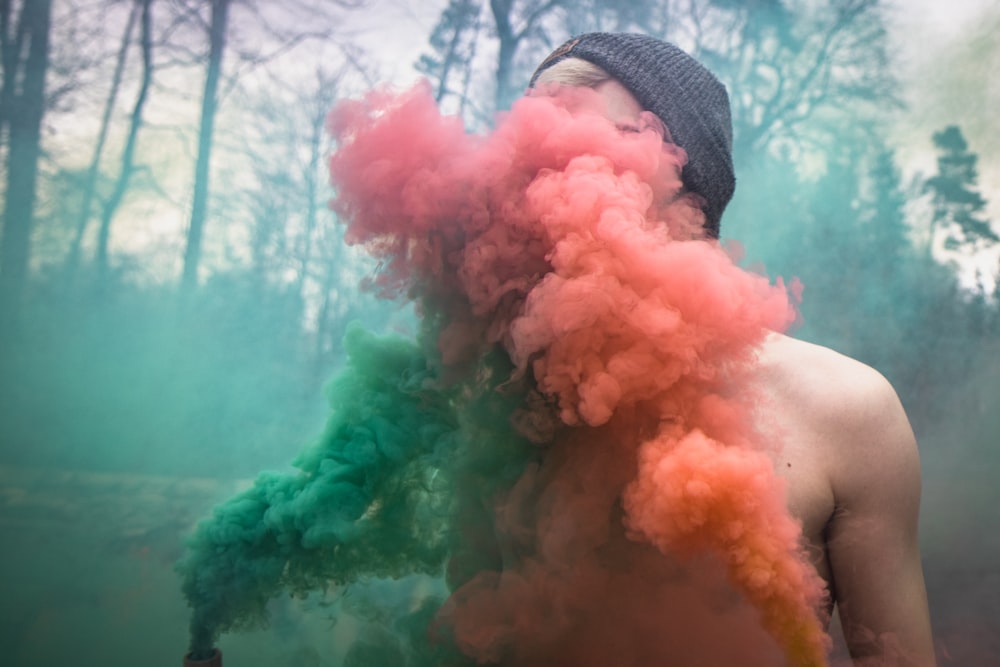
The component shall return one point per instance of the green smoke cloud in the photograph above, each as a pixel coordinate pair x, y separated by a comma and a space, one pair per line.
372, 497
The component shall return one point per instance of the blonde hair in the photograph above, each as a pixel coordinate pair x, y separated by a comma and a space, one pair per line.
573, 72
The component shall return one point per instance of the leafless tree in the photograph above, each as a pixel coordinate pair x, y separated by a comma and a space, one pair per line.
93, 170
258, 35
199, 204
128, 153
792, 71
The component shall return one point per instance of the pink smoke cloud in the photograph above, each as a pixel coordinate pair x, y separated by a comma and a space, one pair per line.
653, 530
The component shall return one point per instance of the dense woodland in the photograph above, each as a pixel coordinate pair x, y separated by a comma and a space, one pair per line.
173, 286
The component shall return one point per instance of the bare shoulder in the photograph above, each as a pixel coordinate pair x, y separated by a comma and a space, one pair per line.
852, 409
826, 385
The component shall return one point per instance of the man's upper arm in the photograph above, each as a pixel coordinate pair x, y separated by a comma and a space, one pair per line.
872, 538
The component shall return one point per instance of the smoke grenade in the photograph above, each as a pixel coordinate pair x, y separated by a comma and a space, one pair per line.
211, 659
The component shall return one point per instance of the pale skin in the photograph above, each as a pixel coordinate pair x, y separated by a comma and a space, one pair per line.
850, 462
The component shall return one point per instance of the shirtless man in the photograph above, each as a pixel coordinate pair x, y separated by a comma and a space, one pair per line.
849, 456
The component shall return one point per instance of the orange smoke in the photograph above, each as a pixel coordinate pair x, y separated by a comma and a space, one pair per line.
571, 245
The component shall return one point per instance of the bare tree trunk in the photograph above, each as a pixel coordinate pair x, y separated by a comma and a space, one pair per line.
325, 328
24, 122
10, 54
90, 184
322, 100
464, 14
508, 47
312, 187
199, 204
128, 154
511, 39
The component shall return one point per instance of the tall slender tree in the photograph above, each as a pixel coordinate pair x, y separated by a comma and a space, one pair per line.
519, 32
25, 61
93, 170
453, 48
12, 31
128, 153
199, 204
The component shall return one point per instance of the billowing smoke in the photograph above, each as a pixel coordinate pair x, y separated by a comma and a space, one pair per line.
568, 443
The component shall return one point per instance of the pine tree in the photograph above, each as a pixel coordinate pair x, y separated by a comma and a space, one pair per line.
957, 204
887, 231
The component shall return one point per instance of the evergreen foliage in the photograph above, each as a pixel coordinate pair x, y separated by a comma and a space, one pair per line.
957, 204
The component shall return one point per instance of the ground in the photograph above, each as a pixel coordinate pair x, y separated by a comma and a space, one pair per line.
88, 556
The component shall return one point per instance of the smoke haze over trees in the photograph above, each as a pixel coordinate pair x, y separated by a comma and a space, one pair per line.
174, 289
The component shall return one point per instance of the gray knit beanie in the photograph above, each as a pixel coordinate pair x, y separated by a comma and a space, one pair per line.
690, 101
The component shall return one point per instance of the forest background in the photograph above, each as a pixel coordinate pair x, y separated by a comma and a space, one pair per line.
173, 287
